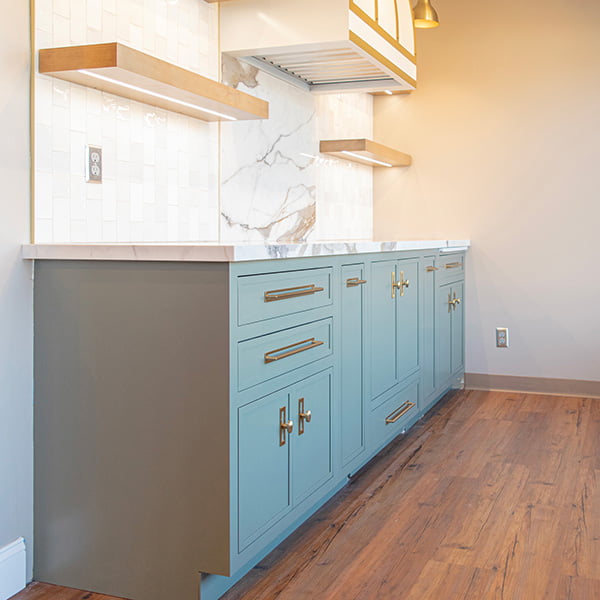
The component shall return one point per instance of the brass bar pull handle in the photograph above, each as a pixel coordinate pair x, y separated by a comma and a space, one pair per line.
355, 281
399, 412
430, 269
285, 426
304, 416
394, 285
298, 347
284, 294
453, 265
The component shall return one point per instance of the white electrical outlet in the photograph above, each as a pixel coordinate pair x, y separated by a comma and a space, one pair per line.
94, 164
501, 337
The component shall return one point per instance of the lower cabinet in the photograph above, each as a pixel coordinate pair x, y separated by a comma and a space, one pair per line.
449, 332
352, 413
284, 453
236, 399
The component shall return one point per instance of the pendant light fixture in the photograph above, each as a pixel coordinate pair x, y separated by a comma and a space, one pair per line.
425, 16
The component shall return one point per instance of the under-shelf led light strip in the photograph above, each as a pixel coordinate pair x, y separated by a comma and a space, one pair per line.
361, 157
135, 88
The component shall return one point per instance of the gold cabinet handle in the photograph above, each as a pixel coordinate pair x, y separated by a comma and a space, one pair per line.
354, 281
285, 426
399, 412
284, 294
298, 347
430, 269
451, 302
401, 285
453, 265
304, 416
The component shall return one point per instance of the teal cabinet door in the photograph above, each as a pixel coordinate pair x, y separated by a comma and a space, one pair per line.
263, 466
351, 366
407, 302
310, 402
383, 327
443, 335
428, 326
458, 338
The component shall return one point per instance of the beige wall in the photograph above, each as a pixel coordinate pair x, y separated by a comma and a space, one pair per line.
16, 298
505, 134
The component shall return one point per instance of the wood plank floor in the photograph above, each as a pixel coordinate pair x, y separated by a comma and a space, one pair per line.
492, 496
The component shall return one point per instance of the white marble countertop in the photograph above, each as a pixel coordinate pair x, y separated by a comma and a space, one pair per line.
197, 252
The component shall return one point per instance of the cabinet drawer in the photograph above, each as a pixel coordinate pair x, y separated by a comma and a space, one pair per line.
262, 297
390, 419
451, 267
268, 356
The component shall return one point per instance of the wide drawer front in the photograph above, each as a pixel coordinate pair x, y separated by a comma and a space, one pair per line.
262, 297
269, 356
451, 267
390, 419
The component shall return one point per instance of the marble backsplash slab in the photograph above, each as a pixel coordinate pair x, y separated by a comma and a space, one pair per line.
170, 178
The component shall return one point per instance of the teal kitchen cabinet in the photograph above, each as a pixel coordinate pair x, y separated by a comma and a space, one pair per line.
225, 402
428, 311
449, 327
352, 410
284, 448
394, 324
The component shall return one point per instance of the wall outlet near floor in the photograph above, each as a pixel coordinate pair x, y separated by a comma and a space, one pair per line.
501, 337
94, 164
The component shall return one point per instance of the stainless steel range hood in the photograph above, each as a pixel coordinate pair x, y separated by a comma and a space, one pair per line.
325, 45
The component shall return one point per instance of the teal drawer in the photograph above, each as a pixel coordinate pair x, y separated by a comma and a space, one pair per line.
451, 267
391, 418
262, 297
266, 357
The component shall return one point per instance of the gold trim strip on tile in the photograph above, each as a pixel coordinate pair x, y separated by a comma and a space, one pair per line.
363, 16
358, 41
32, 22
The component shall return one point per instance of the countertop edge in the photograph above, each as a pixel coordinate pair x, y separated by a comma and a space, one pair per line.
226, 253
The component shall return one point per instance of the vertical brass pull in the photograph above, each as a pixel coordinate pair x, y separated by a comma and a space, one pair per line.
450, 302
403, 283
285, 426
303, 416
400, 285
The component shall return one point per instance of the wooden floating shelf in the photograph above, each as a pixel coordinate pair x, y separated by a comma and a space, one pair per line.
126, 72
366, 152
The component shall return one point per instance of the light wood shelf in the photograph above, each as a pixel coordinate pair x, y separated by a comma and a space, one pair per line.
126, 72
366, 152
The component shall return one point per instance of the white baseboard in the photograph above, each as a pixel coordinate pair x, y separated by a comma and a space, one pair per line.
12, 569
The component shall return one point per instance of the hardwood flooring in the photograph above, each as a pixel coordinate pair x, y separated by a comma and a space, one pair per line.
493, 496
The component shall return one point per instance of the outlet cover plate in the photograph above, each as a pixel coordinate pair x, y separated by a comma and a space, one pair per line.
94, 164
501, 337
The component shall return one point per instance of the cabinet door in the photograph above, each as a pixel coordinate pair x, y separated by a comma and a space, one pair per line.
428, 326
407, 300
458, 344
263, 466
351, 375
383, 321
311, 440
443, 335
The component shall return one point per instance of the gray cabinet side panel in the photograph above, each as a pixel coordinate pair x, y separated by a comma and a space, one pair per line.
131, 426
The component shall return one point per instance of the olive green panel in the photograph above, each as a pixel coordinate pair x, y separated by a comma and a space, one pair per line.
131, 426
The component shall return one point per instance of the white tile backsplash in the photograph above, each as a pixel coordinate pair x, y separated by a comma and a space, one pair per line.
169, 177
